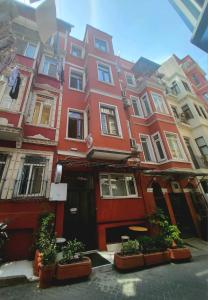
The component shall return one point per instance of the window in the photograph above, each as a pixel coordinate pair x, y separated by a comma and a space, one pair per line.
191, 152
146, 105
203, 148
76, 125
205, 95
136, 106
32, 177
76, 80
159, 103
25, 48
175, 146
3, 158
175, 112
197, 109
42, 111
195, 79
76, 51
109, 122
175, 88
50, 66
203, 112
117, 185
187, 112
104, 73
147, 148
101, 45
130, 79
186, 86
160, 153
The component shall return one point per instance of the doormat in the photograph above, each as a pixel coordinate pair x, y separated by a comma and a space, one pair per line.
97, 259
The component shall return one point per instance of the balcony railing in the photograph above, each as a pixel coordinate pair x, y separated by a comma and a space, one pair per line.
30, 188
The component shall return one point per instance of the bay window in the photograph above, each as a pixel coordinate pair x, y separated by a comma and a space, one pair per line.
50, 66
146, 105
147, 148
159, 103
136, 106
26, 48
117, 185
159, 149
42, 113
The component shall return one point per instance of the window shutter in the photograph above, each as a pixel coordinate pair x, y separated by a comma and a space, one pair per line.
104, 124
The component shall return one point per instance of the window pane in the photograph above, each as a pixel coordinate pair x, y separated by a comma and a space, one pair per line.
105, 185
118, 185
145, 149
76, 51
130, 185
104, 123
3, 158
52, 70
101, 45
104, 73
24, 181
30, 50
75, 125
76, 80
45, 118
112, 125
36, 113
129, 79
136, 107
174, 146
36, 180
20, 46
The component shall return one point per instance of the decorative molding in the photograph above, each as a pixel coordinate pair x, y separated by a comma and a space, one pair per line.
72, 153
105, 94
38, 136
40, 141
47, 87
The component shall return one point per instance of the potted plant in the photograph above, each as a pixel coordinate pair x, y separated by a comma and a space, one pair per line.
44, 233
154, 250
130, 257
73, 264
47, 265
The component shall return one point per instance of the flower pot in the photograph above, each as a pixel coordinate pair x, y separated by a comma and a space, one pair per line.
74, 270
36, 262
46, 274
128, 262
178, 254
156, 258
166, 256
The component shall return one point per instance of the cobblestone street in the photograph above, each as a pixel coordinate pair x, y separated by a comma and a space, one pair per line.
172, 281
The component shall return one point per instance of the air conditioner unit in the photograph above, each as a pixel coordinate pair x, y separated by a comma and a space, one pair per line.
135, 146
126, 103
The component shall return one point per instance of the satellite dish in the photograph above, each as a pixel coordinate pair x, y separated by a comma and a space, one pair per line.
58, 173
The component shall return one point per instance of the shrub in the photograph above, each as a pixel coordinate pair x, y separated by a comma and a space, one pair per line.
72, 252
130, 247
49, 253
45, 234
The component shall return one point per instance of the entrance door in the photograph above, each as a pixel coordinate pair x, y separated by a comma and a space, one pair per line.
159, 198
182, 214
79, 211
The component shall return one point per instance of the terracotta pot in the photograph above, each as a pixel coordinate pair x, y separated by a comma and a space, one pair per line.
178, 254
156, 258
36, 262
128, 262
46, 274
75, 270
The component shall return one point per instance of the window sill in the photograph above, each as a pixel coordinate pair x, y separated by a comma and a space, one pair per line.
50, 76
112, 136
119, 197
10, 110
41, 126
105, 82
75, 140
76, 90
139, 117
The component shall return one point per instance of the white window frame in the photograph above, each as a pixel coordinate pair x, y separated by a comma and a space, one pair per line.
103, 40
44, 177
146, 115
81, 71
51, 102
25, 50
160, 106
117, 120
133, 79
111, 194
179, 145
139, 106
42, 65
150, 148
85, 129
79, 47
155, 147
110, 72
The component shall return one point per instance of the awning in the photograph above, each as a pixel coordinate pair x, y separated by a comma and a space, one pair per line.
182, 173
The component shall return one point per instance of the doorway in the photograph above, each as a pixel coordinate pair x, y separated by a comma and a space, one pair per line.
80, 210
182, 214
159, 198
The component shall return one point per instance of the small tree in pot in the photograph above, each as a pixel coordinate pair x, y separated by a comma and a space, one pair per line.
73, 264
130, 257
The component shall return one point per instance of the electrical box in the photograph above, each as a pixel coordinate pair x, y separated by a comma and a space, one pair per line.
58, 192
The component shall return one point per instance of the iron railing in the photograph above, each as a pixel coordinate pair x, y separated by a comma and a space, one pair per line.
30, 188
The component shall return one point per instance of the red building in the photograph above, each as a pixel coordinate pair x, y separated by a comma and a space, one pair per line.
111, 128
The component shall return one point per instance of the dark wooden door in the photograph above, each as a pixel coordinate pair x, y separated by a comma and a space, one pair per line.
159, 198
79, 212
182, 214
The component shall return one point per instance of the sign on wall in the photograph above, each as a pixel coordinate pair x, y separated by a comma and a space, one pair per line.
58, 192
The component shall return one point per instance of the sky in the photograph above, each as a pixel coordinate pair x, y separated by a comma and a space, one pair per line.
149, 28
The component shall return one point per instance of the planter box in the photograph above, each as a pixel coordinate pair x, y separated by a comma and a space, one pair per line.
156, 258
75, 270
36, 262
128, 262
178, 254
46, 274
